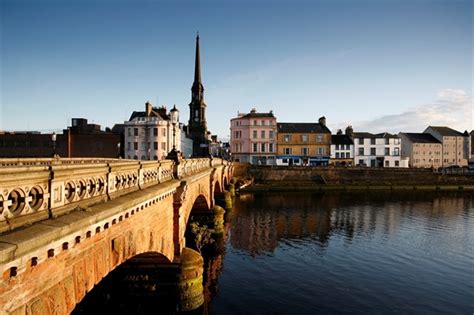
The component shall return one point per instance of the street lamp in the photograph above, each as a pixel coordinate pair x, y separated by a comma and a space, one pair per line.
53, 138
174, 117
118, 150
174, 114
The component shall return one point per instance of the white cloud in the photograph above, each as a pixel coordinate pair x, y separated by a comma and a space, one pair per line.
452, 108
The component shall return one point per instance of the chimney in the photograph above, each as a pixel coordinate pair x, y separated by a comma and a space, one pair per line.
253, 111
322, 121
350, 132
148, 108
339, 132
162, 112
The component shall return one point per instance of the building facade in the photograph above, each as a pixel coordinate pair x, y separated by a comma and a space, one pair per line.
253, 138
81, 139
456, 146
342, 148
303, 143
149, 135
197, 125
421, 150
377, 150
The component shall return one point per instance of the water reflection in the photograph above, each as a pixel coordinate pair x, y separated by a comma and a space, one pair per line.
262, 221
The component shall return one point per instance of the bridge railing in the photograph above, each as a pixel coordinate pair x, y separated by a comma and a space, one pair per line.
36, 189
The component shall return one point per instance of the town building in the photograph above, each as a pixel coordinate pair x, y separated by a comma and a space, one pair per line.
197, 125
150, 135
472, 145
342, 148
303, 143
456, 146
421, 150
81, 139
186, 142
253, 138
377, 150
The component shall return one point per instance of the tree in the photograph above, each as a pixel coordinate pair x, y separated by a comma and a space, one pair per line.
202, 235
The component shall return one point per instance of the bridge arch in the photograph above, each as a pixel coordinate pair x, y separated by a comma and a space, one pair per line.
140, 281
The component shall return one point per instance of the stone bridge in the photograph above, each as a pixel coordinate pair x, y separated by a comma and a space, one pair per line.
67, 223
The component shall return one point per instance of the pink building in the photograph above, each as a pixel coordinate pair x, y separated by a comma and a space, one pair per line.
253, 138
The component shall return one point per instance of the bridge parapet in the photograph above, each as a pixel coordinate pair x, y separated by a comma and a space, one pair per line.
32, 190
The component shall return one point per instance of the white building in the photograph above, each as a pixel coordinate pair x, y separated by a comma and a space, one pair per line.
342, 148
149, 134
378, 150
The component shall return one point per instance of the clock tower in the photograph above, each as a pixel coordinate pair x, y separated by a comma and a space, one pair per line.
197, 125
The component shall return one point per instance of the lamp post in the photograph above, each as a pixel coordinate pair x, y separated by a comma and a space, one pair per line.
53, 138
118, 150
174, 117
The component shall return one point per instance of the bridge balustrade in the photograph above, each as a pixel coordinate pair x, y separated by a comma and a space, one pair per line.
36, 189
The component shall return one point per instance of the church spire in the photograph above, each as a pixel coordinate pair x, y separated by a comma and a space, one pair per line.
197, 65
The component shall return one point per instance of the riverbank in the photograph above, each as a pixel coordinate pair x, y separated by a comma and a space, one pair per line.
276, 178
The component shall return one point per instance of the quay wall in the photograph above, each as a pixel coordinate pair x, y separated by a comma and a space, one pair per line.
352, 178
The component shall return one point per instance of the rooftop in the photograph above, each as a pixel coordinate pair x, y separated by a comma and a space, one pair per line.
420, 137
446, 131
341, 139
302, 128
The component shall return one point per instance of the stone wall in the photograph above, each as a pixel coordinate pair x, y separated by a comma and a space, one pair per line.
301, 176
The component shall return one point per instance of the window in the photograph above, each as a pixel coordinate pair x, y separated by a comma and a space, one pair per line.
135, 132
129, 132
143, 145
163, 146
361, 151
337, 155
270, 134
129, 146
135, 146
337, 146
348, 155
155, 132
262, 134
262, 122
135, 157
304, 138
254, 122
287, 151
255, 134
255, 147
387, 141
397, 163
319, 138
396, 141
287, 138
372, 141
372, 151
387, 163
163, 132
155, 145
284, 160
262, 147
270, 147
361, 162
304, 151
396, 152
387, 151
321, 151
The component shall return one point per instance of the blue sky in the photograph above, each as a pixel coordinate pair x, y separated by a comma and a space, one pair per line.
377, 65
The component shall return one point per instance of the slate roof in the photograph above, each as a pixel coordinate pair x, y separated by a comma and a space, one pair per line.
257, 115
421, 137
154, 113
341, 139
371, 135
446, 131
302, 128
